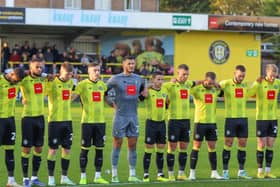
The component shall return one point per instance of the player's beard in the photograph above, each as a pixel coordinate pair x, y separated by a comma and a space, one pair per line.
36, 74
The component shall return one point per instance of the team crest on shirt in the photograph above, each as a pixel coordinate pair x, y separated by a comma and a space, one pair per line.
164, 95
276, 87
100, 88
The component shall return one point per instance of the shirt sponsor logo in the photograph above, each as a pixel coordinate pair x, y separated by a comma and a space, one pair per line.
271, 94
131, 90
11, 93
238, 92
208, 98
96, 96
65, 94
184, 94
159, 103
38, 88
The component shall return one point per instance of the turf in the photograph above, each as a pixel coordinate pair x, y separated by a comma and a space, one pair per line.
203, 167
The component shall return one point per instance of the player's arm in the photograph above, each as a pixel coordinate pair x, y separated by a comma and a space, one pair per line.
143, 92
252, 91
76, 90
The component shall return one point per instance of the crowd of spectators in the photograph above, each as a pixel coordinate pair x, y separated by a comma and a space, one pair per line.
48, 53
148, 59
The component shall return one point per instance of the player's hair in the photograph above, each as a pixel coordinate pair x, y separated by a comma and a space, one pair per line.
272, 67
67, 66
240, 68
93, 64
36, 60
156, 73
211, 75
19, 72
183, 66
130, 57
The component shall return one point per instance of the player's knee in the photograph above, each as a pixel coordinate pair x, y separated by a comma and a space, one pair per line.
183, 145
38, 150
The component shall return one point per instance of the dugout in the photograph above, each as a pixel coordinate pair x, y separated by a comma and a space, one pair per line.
204, 42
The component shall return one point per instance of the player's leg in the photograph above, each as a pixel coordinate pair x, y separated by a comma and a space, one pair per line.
86, 141
272, 134
242, 136
53, 137
8, 134
98, 141
229, 134
27, 142
119, 124
149, 148
184, 139
226, 155
150, 134
160, 147
172, 146
66, 142
261, 133
269, 157
132, 133
199, 133
38, 134
211, 137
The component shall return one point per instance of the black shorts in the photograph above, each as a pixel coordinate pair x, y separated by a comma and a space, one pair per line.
179, 130
7, 131
267, 128
155, 132
60, 133
93, 134
33, 131
207, 130
236, 127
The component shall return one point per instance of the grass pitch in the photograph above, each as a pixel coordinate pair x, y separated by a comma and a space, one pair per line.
203, 167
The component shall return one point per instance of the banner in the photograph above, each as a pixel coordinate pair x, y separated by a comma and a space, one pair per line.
151, 52
12, 15
244, 23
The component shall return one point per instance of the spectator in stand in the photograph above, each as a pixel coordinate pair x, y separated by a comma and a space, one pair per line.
48, 56
16, 48
55, 53
15, 57
64, 57
24, 58
85, 61
25, 48
34, 50
5, 54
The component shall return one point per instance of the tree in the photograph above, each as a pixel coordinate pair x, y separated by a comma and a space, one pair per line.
185, 6
236, 7
272, 8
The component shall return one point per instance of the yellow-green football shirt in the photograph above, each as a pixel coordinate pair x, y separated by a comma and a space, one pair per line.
266, 99
235, 96
92, 98
156, 104
8, 93
33, 93
179, 99
59, 100
205, 104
